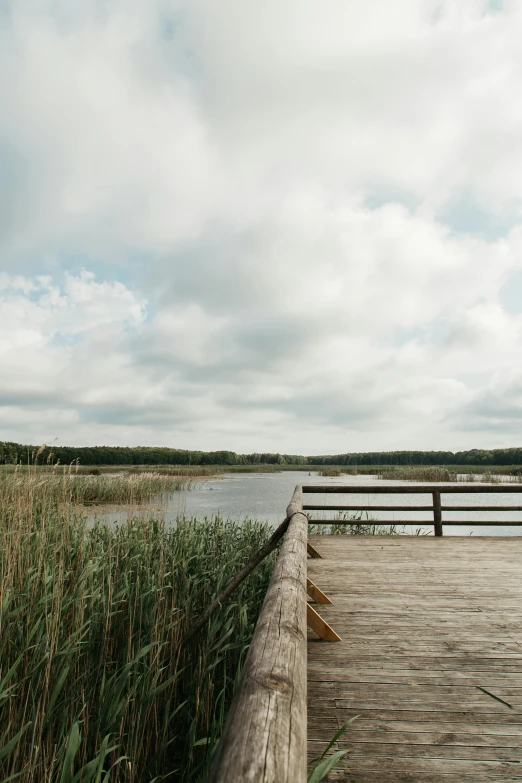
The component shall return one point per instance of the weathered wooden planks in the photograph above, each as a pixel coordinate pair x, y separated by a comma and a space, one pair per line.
431, 659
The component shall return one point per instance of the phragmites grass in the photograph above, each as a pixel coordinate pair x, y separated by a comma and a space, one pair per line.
434, 473
331, 472
358, 524
67, 486
95, 683
360, 529
418, 473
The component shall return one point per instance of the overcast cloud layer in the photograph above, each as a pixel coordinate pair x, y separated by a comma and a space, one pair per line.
289, 226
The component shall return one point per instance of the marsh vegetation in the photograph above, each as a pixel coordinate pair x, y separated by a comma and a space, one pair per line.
67, 486
161, 479
428, 473
95, 681
448, 474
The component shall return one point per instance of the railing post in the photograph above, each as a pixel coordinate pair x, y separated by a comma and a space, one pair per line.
437, 513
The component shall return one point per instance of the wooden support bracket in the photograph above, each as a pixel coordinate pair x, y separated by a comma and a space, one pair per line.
316, 593
312, 552
319, 626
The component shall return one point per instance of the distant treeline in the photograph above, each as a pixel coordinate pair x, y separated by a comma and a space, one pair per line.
148, 455
471, 457
138, 455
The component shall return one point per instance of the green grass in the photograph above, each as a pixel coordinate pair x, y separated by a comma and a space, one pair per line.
366, 529
95, 683
362, 525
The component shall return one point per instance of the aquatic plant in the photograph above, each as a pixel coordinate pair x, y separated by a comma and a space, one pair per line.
430, 473
95, 681
67, 486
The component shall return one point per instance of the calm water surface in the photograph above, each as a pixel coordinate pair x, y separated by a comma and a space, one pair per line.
265, 496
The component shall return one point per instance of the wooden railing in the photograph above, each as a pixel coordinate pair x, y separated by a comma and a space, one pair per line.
264, 740
436, 507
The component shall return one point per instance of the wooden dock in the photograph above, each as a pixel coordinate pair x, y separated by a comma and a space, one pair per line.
430, 655
430, 658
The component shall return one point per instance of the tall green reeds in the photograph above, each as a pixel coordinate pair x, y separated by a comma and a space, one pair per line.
95, 682
65, 486
434, 473
418, 473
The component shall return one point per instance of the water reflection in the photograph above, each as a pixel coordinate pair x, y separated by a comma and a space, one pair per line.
264, 496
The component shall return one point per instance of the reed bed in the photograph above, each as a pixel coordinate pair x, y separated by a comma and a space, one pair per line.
69, 487
418, 473
331, 472
355, 529
95, 682
434, 473
203, 471
358, 524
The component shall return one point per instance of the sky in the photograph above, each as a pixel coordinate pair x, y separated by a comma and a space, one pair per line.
286, 226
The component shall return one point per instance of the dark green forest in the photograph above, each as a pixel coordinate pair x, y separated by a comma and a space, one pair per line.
11, 453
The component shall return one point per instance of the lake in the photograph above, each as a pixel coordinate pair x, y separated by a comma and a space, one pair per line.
265, 496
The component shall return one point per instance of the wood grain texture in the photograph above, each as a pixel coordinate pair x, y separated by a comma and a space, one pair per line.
431, 662
328, 507
319, 626
422, 522
405, 489
316, 594
264, 740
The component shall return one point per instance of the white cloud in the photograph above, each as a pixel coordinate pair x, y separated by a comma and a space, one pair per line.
56, 342
106, 133
266, 186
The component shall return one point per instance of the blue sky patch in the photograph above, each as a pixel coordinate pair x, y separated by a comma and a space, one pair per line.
466, 216
511, 294
384, 194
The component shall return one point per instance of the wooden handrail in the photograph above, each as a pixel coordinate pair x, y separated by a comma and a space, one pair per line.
454, 522
264, 739
312, 507
435, 490
403, 489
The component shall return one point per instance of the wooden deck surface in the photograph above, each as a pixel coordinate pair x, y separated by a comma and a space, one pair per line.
431, 658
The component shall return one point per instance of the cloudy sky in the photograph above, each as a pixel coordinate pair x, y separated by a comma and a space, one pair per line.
292, 225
